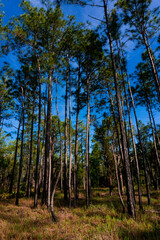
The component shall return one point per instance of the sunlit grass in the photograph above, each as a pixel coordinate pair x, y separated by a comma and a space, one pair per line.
102, 220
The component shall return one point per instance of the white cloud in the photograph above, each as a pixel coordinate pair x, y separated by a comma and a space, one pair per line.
36, 3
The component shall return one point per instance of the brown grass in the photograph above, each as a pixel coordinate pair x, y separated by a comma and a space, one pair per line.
102, 220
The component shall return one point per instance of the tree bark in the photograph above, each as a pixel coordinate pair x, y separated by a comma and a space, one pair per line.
154, 139
49, 116
154, 124
54, 218
88, 184
115, 121
15, 157
144, 35
118, 183
139, 135
70, 140
61, 143
42, 160
66, 139
39, 137
132, 134
76, 139
30, 155
129, 185
21, 156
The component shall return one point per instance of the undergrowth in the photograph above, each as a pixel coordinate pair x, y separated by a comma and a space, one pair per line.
102, 220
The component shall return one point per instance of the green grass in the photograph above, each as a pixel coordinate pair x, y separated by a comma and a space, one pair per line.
102, 220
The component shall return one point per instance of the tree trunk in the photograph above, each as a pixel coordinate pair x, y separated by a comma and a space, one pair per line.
83, 166
154, 139
115, 121
121, 180
54, 218
15, 157
118, 183
49, 116
152, 62
88, 183
30, 155
39, 138
139, 135
70, 141
42, 161
21, 156
154, 124
118, 137
132, 134
129, 185
149, 52
65, 160
76, 139
61, 142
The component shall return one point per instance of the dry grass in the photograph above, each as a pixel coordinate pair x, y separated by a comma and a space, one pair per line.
102, 220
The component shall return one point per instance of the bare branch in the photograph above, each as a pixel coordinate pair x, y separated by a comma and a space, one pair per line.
97, 19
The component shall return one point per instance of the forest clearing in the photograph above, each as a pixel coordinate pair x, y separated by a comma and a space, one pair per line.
102, 220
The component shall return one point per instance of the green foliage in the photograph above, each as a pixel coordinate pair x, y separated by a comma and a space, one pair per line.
6, 98
142, 20
6, 159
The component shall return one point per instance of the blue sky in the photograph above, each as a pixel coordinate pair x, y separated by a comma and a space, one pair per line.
11, 8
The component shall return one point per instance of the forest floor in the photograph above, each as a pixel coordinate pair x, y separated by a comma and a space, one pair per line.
102, 220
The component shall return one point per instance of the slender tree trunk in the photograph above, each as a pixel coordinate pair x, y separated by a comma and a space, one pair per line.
54, 218
115, 121
39, 138
118, 136
88, 184
42, 161
144, 35
46, 158
118, 183
61, 142
157, 179
21, 156
129, 185
152, 62
154, 139
76, 139
154, 124
41, 167
45, 182
49, 116
143, 155
83, 166
124, 117
25, 179
31, 150
128, 141
121, 179
132, 134
15, 157
65, 160
70, 142
139, 135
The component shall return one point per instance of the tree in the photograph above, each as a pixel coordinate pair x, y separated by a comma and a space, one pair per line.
143, 24
22, 80
129, 185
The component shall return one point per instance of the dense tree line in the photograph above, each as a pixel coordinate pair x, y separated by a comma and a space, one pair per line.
89, 66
